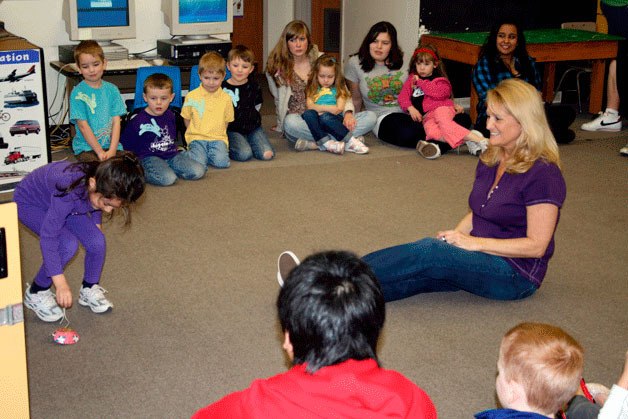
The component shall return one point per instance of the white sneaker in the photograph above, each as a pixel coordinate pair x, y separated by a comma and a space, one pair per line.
43, 304
356, 146
624, 150
333, 146
475, 148
428, 150
604, 122
305, 145
286, 262
95, 299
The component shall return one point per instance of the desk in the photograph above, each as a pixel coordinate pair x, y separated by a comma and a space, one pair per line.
547, 46
124, 79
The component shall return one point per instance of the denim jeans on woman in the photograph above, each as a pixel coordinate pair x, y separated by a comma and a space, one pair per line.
164, 172
294, 126
431, 265
244, 146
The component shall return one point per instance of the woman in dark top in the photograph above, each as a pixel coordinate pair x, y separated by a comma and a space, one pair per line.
504, 56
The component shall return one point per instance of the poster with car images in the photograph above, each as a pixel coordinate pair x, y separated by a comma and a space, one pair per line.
23, 143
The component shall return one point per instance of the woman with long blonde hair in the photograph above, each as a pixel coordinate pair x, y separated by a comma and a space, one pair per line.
501, 248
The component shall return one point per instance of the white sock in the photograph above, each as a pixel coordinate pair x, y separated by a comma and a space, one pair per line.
611, 111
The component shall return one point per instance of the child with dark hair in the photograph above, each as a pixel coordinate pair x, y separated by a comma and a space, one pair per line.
427, 96
246, 136
63, 203
331, 311
151, 134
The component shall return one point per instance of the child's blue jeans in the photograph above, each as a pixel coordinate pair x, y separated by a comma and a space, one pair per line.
164, 172
244, 146
326, 124
209, 153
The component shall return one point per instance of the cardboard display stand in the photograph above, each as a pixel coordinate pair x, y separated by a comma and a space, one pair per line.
24, 144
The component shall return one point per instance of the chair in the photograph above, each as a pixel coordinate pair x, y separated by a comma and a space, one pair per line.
579, 70
143, 72
139, 103
195, 80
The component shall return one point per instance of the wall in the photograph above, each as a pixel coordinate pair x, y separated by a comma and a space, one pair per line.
359, 15
277, 13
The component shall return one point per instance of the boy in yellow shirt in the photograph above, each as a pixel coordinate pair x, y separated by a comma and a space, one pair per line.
207, 111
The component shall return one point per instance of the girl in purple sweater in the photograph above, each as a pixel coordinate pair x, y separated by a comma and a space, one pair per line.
426, 96
63, 203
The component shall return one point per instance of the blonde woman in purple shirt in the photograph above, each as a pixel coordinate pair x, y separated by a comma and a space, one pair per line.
501, 248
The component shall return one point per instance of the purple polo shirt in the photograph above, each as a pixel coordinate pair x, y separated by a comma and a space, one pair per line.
503, 215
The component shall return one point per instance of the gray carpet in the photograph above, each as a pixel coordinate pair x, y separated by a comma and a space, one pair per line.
193, 281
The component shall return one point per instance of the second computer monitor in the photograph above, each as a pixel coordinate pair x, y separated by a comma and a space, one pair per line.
198, 18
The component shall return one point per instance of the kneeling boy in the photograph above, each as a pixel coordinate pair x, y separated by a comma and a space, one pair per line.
151, 135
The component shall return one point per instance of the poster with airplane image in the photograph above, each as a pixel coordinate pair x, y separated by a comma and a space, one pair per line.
23, 141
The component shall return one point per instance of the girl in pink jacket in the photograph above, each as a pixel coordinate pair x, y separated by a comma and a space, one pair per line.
426, 96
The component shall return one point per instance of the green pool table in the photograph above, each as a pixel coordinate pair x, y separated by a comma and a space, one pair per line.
547, 46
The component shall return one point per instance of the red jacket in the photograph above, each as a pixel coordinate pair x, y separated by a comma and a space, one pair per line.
352, 389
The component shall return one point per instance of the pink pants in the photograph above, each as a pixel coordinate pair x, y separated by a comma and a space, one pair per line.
439, 125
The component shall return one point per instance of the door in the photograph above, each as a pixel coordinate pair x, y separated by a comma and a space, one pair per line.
326, 28
249, 27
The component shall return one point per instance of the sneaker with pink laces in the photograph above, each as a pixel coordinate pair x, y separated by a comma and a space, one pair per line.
333, 146
356, 146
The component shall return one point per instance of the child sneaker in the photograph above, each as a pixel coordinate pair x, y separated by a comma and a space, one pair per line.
333, 146
605, 122
356, 146
304, 145
286, 262
477, 147
43, 304
95, 299
428, 150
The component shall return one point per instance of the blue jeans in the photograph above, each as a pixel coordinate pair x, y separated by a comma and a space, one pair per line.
295, 127
431, 265
209, 153
244, 146
164, 172
326, 124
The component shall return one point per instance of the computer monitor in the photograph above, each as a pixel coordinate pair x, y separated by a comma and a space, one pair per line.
100, 20
199, 19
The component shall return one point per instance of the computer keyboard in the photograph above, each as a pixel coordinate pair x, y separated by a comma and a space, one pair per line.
120, 65
130, 64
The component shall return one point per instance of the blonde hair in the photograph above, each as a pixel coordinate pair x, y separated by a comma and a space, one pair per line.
521, 100
88, 47
213, 62
339, 82
158, 81
280, 64
546, 361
